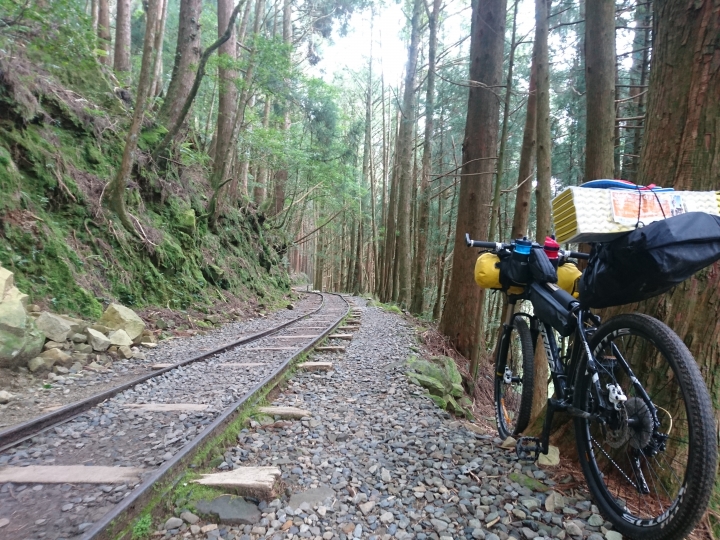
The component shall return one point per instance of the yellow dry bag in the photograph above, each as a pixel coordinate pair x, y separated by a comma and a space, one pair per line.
568, 278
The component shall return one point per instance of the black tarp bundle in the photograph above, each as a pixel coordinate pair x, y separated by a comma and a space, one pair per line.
650, 260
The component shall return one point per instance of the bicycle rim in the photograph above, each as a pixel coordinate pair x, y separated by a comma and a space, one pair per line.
640, 461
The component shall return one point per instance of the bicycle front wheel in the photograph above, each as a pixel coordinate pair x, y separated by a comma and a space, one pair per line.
649, 457
514, 379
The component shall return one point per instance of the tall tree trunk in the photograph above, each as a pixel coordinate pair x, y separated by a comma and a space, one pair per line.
523, 194
281, 176
357, 270
461, 322
116, 189
175, 128
390, 231
495, 212
544, 169
600, 81
123, 18
442, 280
681, 149
227, 100
424, 193
94, 13
103, 29
157, 84
262, 176
639, 76
187, 56
406, 150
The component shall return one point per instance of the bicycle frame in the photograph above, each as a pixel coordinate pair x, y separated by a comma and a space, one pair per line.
563, 375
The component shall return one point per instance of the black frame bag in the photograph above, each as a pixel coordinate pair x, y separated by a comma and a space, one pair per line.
650, 261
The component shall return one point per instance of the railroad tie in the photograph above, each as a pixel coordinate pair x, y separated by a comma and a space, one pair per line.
167, 407
285, 412
270, 348
330, 348
70, 474
340, 336
317, 366
253, 481
299, 336
243, 365
161, 366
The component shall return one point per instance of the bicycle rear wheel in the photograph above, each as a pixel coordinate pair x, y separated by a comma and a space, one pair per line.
514, 379
650, 460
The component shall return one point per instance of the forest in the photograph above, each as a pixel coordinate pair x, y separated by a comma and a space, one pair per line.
181, 152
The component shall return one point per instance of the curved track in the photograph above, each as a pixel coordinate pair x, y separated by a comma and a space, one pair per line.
152, 426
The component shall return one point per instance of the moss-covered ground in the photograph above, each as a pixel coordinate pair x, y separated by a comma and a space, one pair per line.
61, 140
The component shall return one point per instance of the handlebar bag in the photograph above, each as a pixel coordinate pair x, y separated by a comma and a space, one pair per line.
650, 260
541, 269
487, 271
514, 270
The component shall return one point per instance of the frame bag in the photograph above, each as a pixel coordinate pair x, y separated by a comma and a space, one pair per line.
650, 260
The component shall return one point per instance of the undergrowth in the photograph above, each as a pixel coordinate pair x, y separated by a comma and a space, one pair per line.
61, 140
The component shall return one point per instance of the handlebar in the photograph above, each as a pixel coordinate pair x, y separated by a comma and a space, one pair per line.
499, 246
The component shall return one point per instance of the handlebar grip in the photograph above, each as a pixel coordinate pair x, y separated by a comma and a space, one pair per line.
578, 255
478, 243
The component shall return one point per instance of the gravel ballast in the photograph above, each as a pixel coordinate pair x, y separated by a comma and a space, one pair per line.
118, 433
378, 460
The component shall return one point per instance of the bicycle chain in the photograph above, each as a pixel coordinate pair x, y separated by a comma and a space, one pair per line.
611, 460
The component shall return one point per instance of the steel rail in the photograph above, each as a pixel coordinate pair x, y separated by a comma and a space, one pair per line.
26, 430
113, 524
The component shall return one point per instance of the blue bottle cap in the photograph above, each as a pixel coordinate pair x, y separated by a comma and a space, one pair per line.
523, 246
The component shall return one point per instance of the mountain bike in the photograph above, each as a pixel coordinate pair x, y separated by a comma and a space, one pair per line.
642, 414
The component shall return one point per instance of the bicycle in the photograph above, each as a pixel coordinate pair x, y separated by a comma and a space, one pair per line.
647, 448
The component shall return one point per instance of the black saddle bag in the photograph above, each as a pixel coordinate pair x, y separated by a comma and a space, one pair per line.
650, 261
554, 306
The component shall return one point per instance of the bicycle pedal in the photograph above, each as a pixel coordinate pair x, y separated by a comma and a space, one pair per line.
528, 448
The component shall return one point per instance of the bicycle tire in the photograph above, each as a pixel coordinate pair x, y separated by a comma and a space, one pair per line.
682, 472
512, 410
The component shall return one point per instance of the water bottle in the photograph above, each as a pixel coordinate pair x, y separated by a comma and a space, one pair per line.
552, 250
521, 260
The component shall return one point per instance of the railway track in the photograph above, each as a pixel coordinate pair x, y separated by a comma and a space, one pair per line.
88, 468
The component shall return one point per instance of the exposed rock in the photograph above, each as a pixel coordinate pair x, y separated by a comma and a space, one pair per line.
14, 294
38, 363
79, 338
551, 459
13, 318
55, 356
100, 328
78, 326
125, 352
190, 518
7, 281
230, 510
83, 347
120, 338
54, 327
311, 496
118, 317
5, 397
20, 339
97, 340
53, 345
173, 523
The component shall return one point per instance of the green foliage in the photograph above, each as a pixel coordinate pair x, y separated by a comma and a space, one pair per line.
440, 376
142, 527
